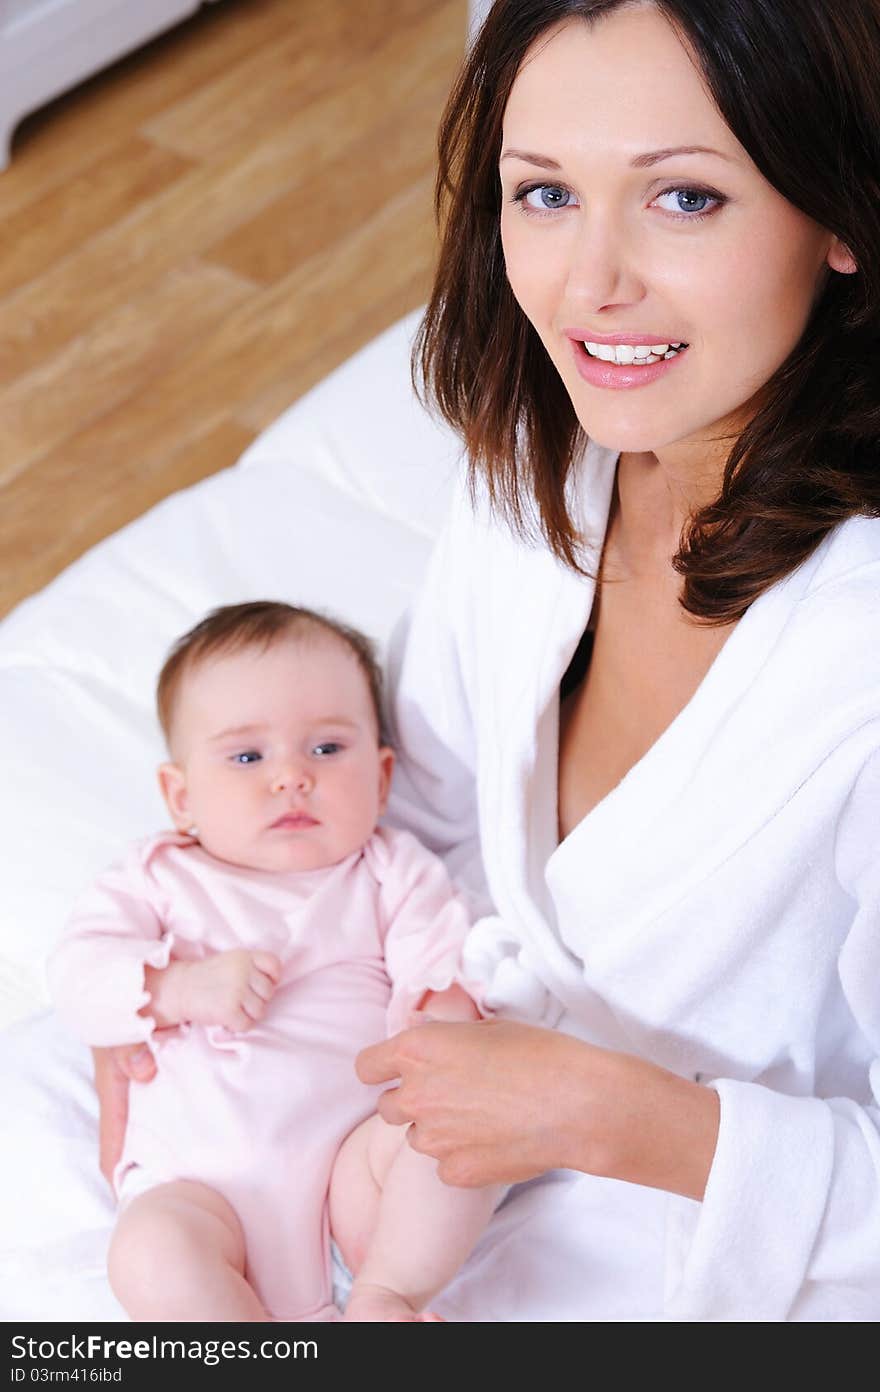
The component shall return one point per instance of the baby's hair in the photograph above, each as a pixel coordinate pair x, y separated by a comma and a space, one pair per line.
259, 624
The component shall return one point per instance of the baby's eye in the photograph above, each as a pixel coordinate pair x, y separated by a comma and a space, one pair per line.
546, 198
247, 756
326, 748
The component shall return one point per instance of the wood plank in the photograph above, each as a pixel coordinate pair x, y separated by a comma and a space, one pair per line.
326, 44
278, 332
335, 199
298, 377
49, 228
42, 531
208, 203
71, 133
264, 341
119, 355
105, 414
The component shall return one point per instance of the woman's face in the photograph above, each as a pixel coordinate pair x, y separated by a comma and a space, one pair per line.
618, 233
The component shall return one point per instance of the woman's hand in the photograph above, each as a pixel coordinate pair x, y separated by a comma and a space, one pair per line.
487, 1099
114, 1069
499, 1102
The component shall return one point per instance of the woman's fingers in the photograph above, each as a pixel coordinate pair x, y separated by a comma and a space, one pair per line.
378, 1063
389, 1108
492, 1100
112, 1086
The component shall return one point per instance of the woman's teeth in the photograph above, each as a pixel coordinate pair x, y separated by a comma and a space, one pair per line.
623, 354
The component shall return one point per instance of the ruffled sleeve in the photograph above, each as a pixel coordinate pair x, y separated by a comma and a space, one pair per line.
425, 922
96, 973
789, 1227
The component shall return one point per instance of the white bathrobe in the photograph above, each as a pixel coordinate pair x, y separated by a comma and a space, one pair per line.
718, 913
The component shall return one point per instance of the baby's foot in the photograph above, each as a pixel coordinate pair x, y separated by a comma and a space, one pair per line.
378, 1304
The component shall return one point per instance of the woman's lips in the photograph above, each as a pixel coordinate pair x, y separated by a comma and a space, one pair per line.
294, 821
616, 376
645, 339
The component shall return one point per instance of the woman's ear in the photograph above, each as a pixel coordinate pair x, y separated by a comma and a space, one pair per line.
172, 784
840, 258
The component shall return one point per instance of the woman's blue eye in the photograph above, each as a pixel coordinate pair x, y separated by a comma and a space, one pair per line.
326, 747
689, 202
546, 197
247, 756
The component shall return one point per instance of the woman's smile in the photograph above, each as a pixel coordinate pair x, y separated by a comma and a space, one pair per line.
620, 362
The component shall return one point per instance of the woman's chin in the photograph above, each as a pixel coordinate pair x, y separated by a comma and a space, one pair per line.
623, 439
649, 436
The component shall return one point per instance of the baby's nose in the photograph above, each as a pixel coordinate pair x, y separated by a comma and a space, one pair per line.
292, 777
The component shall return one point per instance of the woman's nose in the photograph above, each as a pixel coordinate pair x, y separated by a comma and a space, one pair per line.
602, 271
293, 778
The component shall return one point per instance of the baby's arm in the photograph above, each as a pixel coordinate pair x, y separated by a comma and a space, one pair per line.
113, 978
231, 988
426, 924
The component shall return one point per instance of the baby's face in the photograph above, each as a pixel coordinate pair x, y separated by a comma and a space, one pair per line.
276, 756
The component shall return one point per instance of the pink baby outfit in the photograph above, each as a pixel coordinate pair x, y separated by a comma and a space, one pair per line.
260, 1116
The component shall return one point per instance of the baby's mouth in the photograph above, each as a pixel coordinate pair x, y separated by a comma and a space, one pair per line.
298, 821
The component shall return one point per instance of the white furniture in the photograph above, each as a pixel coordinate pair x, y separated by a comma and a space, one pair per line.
47, 46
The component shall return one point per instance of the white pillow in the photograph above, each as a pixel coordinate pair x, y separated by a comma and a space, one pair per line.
334, 507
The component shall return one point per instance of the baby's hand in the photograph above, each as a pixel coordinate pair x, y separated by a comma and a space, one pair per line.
452, 1004
230, 988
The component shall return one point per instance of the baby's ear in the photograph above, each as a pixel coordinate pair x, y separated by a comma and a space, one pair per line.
386, 768
172, 784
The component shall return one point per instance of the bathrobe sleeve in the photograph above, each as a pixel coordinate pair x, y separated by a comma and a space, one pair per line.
791, 1213
96, 973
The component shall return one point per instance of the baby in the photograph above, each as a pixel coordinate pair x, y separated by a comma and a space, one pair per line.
257, 949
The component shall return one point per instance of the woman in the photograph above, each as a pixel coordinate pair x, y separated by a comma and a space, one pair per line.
657, 331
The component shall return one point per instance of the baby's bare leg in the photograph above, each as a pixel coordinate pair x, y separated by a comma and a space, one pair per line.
402, 1231
178, 1254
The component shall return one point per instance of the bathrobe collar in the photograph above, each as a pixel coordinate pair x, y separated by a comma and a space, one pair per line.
701, 789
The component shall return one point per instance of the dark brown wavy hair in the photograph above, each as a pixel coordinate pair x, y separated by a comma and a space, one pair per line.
798, 83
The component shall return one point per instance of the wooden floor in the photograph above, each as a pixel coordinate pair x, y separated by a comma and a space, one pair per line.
194, 238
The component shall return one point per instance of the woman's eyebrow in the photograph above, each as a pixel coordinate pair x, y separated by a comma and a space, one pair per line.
638, 161
542, 160
655, 156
